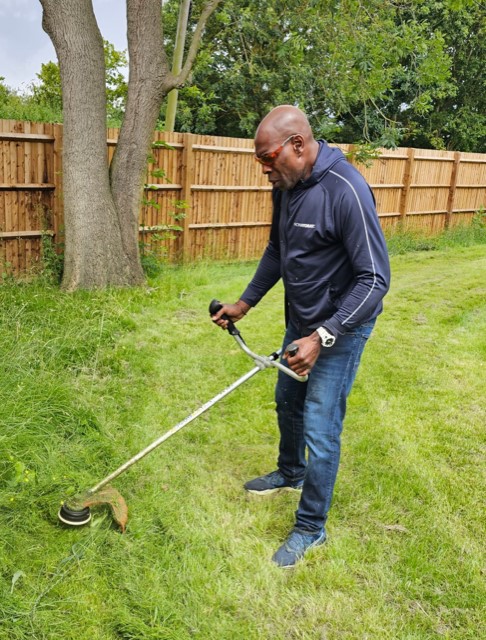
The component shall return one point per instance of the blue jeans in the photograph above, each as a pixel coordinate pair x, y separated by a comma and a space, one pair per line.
310, 417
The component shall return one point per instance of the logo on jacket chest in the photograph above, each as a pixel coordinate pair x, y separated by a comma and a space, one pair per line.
304, 225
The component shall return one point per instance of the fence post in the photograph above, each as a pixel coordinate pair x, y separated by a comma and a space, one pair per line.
452, 189
186, 182
407, 181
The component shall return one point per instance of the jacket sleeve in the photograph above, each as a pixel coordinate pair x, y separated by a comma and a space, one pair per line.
365, 246
268, 271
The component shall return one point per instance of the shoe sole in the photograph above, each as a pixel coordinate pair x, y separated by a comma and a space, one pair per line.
267, 492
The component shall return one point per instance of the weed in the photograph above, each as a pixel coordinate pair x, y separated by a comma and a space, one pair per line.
52, 258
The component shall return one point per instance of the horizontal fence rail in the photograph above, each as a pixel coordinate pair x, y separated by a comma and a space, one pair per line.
213, 201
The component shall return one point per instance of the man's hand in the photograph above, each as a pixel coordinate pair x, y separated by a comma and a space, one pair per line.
234, 312
306, 356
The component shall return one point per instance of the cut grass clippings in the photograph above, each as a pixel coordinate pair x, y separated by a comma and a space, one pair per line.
90, 379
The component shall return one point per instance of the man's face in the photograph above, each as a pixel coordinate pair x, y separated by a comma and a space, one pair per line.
279, 160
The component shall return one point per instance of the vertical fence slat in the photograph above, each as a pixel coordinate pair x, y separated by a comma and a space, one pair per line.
58, 214
186, 195
452, 189
407, 181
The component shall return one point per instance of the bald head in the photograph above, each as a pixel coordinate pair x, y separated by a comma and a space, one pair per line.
284, 121
284, 137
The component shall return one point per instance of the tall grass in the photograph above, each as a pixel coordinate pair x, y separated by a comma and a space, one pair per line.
89, 379
461, 235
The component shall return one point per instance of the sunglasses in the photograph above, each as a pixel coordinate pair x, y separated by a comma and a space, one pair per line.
269, 158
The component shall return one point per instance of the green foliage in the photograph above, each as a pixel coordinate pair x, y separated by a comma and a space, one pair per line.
152, 261
364, 154
16, 106
43, 101
52, 259
116, 83
196, 110
88, 379
48, 91
454, 118
153, 252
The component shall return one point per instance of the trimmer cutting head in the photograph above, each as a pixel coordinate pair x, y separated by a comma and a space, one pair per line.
74, 517
76, 511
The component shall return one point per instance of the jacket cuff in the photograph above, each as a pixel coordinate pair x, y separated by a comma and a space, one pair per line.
251, 300
334, 327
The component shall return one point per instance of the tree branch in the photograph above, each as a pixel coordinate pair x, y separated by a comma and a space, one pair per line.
208, 10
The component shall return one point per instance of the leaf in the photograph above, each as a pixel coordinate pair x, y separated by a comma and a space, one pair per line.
16, 576
159, 173
162, 144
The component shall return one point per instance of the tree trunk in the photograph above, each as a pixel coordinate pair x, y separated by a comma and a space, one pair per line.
95, 254
148, 82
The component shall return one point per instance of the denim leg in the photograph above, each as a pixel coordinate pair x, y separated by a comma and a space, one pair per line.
290, 400
328, 387
310, 417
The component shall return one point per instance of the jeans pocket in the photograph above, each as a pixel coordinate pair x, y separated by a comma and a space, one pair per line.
364, 330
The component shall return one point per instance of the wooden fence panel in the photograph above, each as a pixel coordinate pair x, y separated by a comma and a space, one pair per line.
206, 198
163, 193
388, 179
26, 192
229, 210
429, 191
470, 190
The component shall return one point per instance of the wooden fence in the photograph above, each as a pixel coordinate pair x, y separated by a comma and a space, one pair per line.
227, 205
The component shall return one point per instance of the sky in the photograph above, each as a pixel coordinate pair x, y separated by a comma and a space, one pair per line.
24, 46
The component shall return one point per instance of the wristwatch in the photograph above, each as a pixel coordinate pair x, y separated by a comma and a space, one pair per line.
327, 339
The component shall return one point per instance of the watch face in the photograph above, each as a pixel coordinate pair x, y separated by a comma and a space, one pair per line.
327, 339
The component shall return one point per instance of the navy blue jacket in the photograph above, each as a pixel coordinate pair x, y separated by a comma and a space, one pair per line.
327, 245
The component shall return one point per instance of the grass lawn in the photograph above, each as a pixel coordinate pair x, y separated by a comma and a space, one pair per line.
89, 379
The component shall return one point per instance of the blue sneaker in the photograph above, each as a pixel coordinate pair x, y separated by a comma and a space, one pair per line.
272, 482
295, 546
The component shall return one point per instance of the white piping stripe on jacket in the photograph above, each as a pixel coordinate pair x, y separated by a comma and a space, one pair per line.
367, 242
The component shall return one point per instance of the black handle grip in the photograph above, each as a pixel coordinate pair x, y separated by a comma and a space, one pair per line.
292, 349
214, 307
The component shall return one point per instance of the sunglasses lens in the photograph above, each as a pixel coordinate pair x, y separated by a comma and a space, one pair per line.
269, 158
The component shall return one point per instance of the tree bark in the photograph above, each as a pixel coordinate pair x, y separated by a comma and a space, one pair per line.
148, 82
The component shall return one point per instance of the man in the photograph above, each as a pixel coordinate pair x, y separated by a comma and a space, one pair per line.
327, 245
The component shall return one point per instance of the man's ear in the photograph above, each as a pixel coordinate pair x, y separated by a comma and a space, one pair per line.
298, 143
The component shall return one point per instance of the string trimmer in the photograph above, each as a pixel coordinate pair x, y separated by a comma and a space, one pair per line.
76, 511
